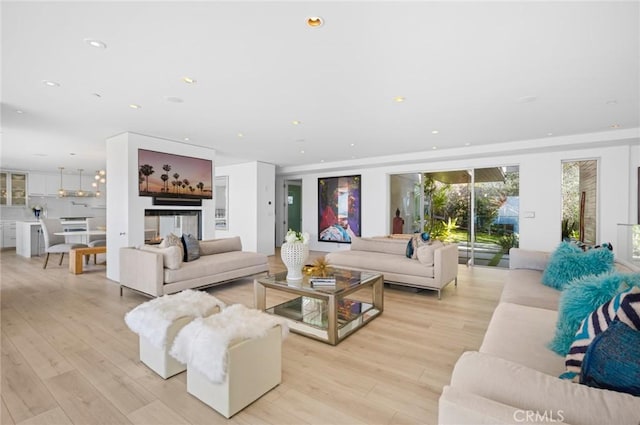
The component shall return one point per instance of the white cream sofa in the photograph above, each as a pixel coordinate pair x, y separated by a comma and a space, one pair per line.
513, 378
223, 261
387, 256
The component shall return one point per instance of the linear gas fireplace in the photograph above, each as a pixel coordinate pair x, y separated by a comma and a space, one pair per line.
159, 223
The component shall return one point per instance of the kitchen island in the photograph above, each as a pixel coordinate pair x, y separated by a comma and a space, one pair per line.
29, 238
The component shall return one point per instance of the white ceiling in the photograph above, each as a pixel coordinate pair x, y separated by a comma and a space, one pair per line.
479, 73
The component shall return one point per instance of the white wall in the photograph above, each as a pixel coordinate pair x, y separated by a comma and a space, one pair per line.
266, 208
634, 164
251, 205
125, 212
540, 192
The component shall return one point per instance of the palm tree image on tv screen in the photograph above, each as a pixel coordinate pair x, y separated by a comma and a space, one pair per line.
174, 176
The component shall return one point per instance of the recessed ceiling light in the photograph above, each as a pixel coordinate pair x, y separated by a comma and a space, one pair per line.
467, 144
186, 139
434, 147
549, 134
322, 160
295, 122
240, 135
314, 21
19, 111
95, 43
173, 99
527, 99
134, 106
435, 131
615, 126
399, 99
352, 144
50, 83
302, 151
189, 80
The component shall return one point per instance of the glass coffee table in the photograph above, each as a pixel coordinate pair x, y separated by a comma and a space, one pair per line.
324, 312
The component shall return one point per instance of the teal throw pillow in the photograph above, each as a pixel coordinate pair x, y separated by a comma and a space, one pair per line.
409, 252
416, 241
612, 361
568, 262
579, 298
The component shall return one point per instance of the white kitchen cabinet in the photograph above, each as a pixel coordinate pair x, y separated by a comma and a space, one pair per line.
8, 230
13, 188
41, 184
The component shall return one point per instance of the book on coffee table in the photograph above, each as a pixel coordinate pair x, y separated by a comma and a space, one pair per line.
322, 281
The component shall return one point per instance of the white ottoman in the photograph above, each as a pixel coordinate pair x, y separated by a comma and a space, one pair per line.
229, 366
157, 358
157, 322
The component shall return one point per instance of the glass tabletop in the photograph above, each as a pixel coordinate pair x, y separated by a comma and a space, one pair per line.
333, 281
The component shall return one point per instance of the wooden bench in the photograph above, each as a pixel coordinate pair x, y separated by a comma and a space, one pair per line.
76, 256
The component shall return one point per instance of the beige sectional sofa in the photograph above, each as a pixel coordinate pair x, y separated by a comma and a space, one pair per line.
513, 378
154, 272
387, 256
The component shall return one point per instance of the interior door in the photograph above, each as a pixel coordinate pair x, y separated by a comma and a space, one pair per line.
294, 205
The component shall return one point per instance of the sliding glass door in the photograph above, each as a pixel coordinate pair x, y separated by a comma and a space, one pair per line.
496, 209
477, 209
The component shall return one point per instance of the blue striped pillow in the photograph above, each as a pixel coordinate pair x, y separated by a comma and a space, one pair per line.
624, 307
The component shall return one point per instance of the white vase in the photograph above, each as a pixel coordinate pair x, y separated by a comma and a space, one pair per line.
294, 255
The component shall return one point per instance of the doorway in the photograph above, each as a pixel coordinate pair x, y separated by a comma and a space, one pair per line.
293, 202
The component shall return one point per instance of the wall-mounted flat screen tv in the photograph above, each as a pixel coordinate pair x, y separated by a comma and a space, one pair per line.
165, 175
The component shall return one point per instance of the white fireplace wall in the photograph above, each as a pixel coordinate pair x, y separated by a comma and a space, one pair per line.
125, 215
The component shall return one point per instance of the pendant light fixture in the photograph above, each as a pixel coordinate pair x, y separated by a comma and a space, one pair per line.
80, 192
61, 191
100, 177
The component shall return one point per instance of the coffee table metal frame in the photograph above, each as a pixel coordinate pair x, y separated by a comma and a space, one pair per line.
336, 330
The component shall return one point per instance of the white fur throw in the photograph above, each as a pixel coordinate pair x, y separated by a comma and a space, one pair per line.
152, 318
203, 343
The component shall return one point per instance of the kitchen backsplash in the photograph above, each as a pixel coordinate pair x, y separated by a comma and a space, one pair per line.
57, 207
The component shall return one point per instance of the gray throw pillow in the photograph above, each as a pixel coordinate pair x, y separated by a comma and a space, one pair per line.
191, 247
218, 246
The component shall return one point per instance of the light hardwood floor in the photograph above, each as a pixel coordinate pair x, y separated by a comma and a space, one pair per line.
68, 357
